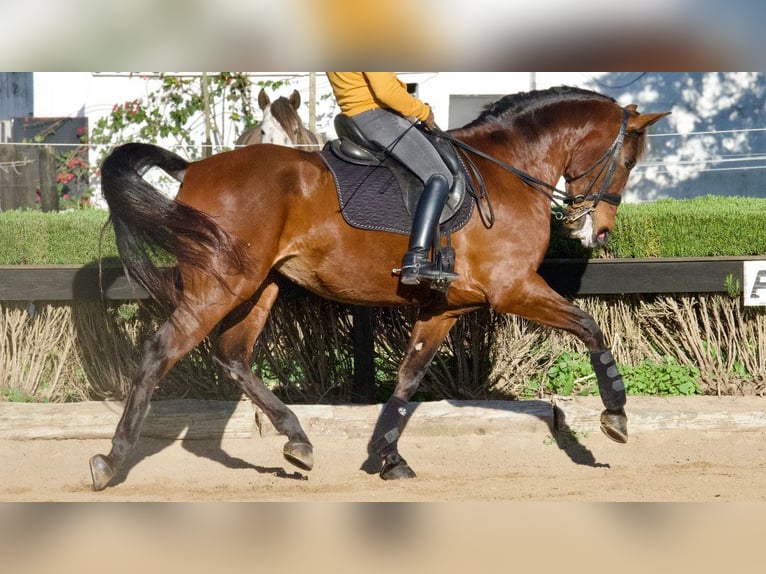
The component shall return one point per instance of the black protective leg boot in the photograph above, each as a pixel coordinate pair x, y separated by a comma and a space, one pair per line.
416, 265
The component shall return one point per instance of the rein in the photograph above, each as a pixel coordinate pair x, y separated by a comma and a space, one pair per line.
559, 197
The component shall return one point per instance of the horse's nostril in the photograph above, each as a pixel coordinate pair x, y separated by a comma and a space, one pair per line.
602, 237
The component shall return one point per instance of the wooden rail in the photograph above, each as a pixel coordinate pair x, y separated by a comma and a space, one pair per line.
571, 277
643, 276
66, 283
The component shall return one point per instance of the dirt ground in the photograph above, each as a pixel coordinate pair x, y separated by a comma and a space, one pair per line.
501, 493
656, 465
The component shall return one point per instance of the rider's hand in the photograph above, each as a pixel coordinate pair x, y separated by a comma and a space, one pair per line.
429, 122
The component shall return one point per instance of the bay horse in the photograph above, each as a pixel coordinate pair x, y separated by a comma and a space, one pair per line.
243, 218
281, 124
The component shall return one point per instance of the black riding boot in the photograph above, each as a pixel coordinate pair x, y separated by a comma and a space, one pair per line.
416, 264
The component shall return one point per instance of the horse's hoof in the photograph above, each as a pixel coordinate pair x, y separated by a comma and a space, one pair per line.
101, 472
396, 468
614, 424
301, 454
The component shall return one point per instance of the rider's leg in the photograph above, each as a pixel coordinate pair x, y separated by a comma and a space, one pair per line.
416, 264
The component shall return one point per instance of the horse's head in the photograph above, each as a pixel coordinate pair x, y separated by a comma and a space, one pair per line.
596, 177
281, 123
580, 134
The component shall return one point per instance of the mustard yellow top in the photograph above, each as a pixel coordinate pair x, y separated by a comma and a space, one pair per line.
358, 92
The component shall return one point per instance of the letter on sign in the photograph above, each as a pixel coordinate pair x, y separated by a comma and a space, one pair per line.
754, 289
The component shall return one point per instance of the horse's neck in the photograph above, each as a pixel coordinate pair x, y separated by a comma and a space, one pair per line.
308, 138
542, 157
251, 135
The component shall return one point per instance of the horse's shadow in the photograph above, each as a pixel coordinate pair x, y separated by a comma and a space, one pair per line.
202, 440
565, 437
567, 441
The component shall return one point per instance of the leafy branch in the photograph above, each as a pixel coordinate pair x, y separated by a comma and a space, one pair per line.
180, 109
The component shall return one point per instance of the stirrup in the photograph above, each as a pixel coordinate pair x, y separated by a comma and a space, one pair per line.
414, 274
408, 275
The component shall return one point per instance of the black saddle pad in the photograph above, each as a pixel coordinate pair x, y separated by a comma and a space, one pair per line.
371, 198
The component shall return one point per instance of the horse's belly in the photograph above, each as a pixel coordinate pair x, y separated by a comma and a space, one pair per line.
344, 283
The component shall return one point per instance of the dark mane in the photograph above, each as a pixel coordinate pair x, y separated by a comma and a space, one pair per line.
524, 102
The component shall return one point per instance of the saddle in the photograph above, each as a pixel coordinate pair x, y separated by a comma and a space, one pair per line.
353, 148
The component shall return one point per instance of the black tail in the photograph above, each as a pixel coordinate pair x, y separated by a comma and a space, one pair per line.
150, 228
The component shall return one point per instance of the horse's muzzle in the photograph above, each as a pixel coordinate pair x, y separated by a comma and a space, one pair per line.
582, 229
602, 237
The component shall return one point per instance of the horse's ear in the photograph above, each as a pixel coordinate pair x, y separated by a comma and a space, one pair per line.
263, 99
295, 99
639, 123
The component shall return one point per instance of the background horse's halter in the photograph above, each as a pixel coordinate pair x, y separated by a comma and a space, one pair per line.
608, 162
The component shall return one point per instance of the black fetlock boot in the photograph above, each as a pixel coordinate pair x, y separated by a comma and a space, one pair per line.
385, 438
416, 265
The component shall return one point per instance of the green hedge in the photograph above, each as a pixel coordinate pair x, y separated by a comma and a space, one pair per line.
708, 226
68, 237
704, 227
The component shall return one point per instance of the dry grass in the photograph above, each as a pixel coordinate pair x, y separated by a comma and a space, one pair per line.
110, 341
305, 350
107, 349
37, 353
90, 351
726, 341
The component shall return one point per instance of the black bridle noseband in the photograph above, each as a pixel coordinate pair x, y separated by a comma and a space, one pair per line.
606, 163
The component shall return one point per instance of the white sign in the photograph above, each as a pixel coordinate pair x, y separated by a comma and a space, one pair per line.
754, 289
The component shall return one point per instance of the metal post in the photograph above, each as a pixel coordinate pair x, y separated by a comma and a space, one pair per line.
313, 102
208, 149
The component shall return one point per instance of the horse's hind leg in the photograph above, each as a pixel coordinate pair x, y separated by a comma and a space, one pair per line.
174, 339
234, 349
427, 336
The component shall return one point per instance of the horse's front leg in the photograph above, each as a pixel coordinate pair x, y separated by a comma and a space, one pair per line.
427, 336
614, 421
536, 301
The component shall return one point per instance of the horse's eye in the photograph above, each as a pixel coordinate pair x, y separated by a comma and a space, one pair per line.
630, 164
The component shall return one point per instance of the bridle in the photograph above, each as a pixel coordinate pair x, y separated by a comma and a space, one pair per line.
606, 164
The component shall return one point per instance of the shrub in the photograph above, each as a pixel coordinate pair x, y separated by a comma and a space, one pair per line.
54, 238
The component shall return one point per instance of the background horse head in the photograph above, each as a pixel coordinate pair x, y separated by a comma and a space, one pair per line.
281, 124
246, 217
